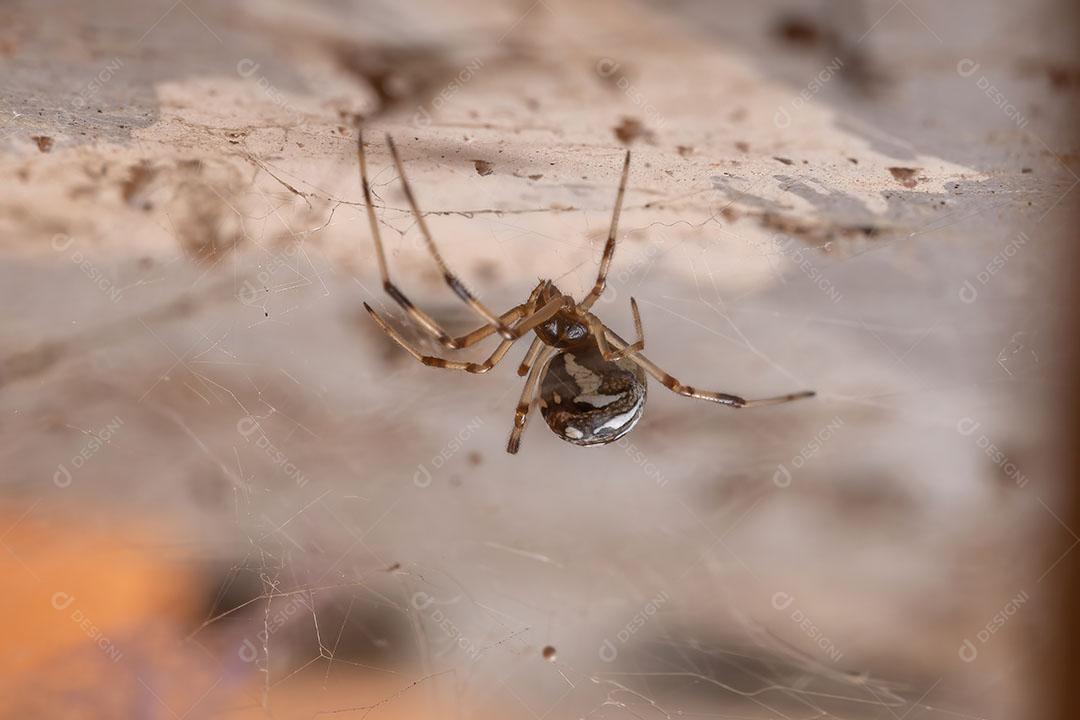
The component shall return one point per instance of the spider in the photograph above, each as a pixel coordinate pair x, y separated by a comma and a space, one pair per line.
591, 382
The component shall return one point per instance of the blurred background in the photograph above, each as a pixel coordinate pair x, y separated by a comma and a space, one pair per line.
226, 494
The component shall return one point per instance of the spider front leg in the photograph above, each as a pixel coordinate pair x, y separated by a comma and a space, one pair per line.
521, 414
421, 318
532, 318
609, 246
674, 385
451, 279
507, 317
597, 327
439, 362
530, 356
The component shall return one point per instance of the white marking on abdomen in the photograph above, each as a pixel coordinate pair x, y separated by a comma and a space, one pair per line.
619, 421
598, 401
587, 380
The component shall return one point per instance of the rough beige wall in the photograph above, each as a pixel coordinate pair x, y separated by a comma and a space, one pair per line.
856, 198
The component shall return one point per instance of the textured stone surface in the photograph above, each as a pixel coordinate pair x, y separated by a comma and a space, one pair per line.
862, 199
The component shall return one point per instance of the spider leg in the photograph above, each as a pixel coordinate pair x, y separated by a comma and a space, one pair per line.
674, 385
609, 247
530, 356
455, 284
597, 328
521, 414
425, 321
507, 317
532, 318
439, 362
484, 331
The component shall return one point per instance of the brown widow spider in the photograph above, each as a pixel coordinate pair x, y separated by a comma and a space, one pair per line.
592, 382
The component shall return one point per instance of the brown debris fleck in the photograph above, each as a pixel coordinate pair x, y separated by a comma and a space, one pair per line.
134, 188
1063, 77
630, 129
483, 167
815, 232
798, 31
44, 142
905, 176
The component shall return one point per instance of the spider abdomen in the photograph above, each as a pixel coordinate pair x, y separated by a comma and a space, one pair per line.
587, 400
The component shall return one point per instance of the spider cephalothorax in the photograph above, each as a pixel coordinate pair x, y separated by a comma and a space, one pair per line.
591, 384
565, 329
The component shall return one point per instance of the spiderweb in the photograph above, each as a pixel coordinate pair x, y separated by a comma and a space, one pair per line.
363, 547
